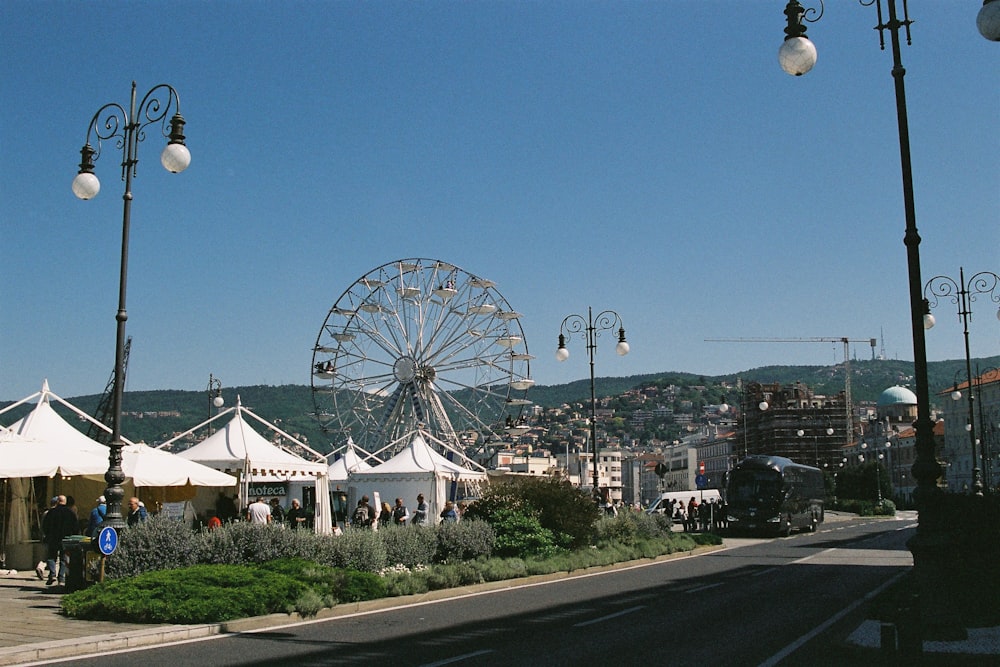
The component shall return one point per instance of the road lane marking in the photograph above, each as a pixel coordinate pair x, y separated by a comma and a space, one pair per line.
822, 627
608, 617
457, 658
698, 589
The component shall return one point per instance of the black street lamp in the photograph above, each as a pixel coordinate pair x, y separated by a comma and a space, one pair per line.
962, 294
931, 559
606, 321
127, 127
215, 399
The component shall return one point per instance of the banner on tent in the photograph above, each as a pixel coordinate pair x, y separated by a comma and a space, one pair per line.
279, 489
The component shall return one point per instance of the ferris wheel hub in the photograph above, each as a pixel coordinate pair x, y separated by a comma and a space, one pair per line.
405, 369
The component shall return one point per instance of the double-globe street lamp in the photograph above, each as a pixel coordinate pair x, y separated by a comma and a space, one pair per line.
963, 293
127, 128
607, 320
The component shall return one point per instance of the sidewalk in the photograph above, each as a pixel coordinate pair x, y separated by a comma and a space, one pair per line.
33, 629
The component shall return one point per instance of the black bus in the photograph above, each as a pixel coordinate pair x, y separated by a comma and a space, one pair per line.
774, 494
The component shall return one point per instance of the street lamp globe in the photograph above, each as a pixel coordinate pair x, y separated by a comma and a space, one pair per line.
175, 157
218, 401
762, 405
622, 347
797, 55
988, 20
86, 185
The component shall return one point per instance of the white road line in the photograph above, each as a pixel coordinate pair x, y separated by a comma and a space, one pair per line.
801, 641
698, 589
608, 617
458, 658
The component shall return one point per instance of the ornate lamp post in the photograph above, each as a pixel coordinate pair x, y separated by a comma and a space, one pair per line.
963, 293
930, 557
127, 127
215, 399
607, 320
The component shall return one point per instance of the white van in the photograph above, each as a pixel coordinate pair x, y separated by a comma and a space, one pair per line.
659, 506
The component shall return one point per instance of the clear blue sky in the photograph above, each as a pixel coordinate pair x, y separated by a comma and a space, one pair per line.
645, 157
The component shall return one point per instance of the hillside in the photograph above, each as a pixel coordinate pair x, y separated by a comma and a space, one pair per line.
291, 406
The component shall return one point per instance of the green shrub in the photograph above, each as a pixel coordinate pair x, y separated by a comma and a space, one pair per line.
244, 543
361, 550
464, 540
409, 546
159, 543
197, 594
559, 507
630, 528
353, 586
518, 533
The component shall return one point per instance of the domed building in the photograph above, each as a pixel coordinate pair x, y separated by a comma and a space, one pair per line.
898, 405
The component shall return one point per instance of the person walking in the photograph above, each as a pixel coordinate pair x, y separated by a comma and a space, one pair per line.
97, 517
136, 512
277, 511
364, 514
448, 514
400, 513
59, 523
420, 514
385, 515
258, 512
296, 515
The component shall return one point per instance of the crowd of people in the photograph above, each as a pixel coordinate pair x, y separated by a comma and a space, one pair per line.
367, 516
695, 516
61, 520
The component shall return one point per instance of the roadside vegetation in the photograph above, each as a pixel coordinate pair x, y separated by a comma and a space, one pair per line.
163, 572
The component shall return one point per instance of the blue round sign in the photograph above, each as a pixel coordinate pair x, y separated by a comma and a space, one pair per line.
107, 540
700, 481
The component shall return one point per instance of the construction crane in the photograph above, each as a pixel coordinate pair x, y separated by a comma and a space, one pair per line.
103, 413
819, 339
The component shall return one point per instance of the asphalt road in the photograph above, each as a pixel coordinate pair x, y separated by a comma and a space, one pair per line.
753, 603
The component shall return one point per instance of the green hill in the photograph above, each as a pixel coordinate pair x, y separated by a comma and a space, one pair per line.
155, 416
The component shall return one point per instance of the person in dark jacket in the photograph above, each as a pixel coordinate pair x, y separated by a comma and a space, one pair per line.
59, 523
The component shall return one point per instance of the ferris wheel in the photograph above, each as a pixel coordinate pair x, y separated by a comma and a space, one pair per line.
420, 343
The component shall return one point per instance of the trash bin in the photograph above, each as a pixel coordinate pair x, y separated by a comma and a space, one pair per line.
74, 547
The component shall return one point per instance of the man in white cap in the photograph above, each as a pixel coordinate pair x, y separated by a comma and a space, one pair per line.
97, 516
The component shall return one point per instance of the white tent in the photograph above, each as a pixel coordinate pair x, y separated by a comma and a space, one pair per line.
238, 448
27, 457
58, 442
418, 468
147, 466
349, 462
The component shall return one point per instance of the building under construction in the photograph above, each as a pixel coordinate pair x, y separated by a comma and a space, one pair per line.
794, 422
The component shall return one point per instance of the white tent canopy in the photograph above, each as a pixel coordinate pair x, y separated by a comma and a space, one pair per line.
346, 464
417, 469
239, 448
56, 442
27, 457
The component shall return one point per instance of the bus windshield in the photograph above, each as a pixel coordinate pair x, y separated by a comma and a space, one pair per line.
749, 485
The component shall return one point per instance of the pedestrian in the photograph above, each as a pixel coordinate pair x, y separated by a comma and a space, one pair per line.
225, 507
448, 514
364, 515
296, 515
385, 516
400, 513
277, 511
136, 512
420, 514
462, 507
97, 516
692, 515
59, 523
259, 512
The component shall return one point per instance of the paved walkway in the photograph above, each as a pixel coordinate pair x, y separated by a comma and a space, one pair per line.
33, 629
